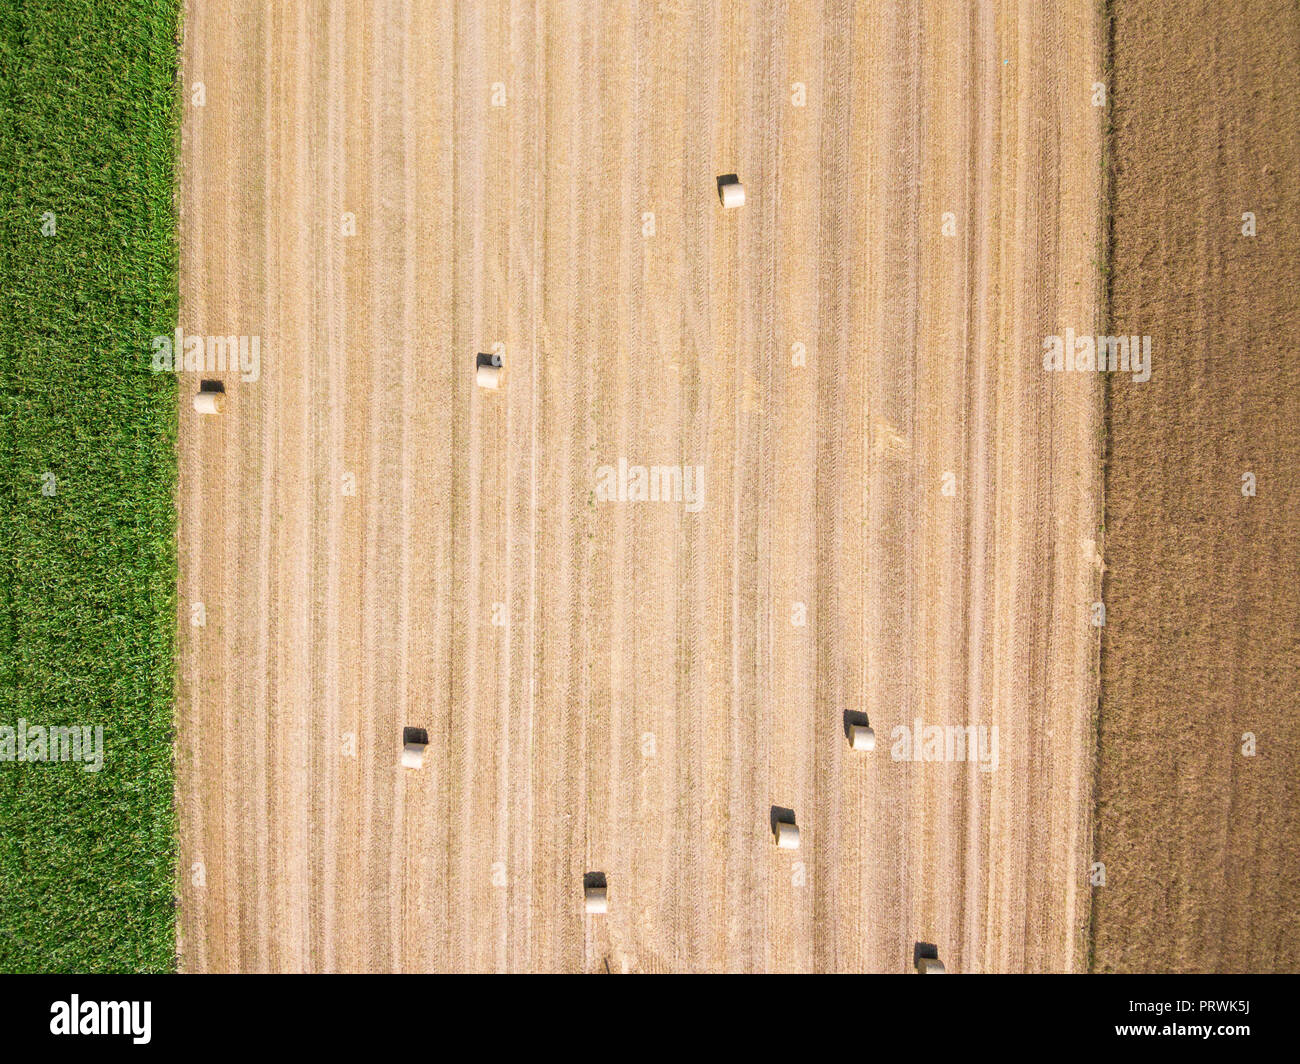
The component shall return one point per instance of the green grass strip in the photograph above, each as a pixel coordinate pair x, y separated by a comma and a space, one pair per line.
89, 111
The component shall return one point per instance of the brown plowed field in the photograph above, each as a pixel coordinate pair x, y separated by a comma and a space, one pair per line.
1202, 643
630, 687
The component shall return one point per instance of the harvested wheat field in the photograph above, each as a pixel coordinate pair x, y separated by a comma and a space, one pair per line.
877, 500
1199, 772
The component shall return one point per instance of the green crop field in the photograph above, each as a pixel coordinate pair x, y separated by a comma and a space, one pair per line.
89, 109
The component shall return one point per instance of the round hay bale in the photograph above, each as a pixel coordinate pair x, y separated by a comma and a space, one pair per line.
732, 193
861, 737
787, 836
597, 899
488, 376
210, 402
413, 755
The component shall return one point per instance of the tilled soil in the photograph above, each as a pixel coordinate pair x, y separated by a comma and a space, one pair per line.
1202, 644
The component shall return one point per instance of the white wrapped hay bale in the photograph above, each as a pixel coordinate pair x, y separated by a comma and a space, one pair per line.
597, 899
930, 966
787, 836
413, 755
488, 373
209, 402
731, 191
861, 737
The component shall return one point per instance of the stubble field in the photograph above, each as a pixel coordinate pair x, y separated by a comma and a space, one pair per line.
631, 687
